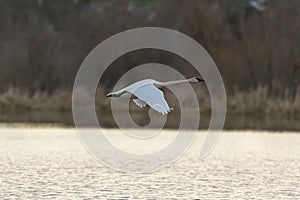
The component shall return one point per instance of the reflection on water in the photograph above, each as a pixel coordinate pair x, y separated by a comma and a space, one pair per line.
51, 163
233, 120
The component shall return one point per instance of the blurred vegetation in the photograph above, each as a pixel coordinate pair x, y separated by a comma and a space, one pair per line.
43, 42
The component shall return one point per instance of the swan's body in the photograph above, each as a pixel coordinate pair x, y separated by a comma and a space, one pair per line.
146, 92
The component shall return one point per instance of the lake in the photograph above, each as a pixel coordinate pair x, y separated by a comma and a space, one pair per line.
51, 163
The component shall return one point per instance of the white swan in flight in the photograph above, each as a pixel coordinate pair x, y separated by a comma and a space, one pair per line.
146, 92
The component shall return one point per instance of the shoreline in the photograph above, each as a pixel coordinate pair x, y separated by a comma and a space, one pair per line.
233, 121
53, 126
245, 110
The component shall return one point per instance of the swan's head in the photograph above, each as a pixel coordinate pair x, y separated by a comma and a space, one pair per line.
196, 80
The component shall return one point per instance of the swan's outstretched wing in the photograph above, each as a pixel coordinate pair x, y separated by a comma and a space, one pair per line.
140, 103
153, 97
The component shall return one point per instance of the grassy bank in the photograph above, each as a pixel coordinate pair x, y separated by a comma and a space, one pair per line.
245, 110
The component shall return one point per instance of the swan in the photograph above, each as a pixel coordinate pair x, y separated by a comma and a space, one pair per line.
146, 92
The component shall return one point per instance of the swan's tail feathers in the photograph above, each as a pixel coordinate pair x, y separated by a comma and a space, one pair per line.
116, 94
109, 95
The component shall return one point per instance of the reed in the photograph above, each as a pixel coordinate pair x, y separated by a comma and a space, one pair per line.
254, 102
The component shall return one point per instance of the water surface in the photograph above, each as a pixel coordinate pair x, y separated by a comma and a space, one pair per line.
51, 163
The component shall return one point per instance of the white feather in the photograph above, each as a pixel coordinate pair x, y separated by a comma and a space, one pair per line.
140, 103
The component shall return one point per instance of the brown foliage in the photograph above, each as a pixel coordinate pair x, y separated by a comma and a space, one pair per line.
43, 45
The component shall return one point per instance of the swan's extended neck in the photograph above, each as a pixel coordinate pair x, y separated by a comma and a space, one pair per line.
173, 82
